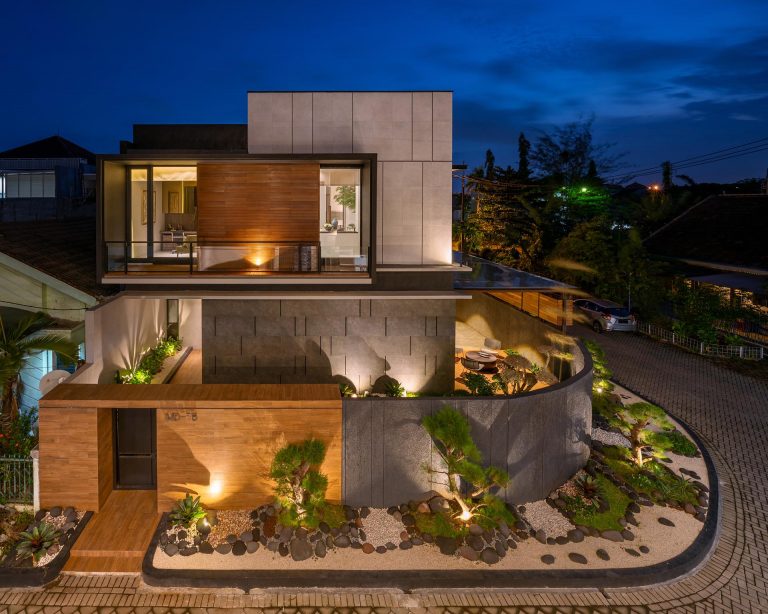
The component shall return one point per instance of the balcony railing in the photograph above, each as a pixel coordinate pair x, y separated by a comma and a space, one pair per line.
226, 258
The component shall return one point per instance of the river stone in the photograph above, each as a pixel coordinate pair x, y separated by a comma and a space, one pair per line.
368, 548
475, 529
476, 542
189, 551
361, 534
504, 529
342, 541
561, 540
320, 549
238, 548
40, 515
328, 541
391, 510
417, 541
381, 549
468, 553
345, 529
613, 536
349, 513
489, 556
634, 508
301, 550
55, 512
690, 509
438, 504
171, 549
701, 516
272, 546
576, 536
324, 527
547, 559
406, 545
365, 512
666, 522
163, 539
423, 508
551, 541
251, 547
644, 549
182, 543
577, 558
409, 520
390, 546
603, 555
268, 527
301, 533
231, 539
205, 548
224, 548
285, 534
427, 537
632, 551
356, 545
283, 550
628, 535
512, 544
541, 536
447, 545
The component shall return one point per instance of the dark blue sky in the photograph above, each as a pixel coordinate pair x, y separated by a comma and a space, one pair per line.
665, 79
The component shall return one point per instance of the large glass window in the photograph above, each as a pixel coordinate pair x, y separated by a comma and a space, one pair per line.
28, 185
340, 217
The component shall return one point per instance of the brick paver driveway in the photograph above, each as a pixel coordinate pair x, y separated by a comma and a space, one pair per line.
726, 409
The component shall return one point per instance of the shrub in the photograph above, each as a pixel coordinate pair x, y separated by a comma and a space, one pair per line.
672, 441
478, 384
601, 374
635, 419
35, 542
589, 487
346, 390
299, 486
393, 388
150, 363
21, 438
187, 511
451, 432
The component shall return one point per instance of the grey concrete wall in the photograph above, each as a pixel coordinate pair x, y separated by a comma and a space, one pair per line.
411, 134
323, 340
540, 438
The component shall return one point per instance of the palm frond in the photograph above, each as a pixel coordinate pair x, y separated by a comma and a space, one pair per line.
50, 342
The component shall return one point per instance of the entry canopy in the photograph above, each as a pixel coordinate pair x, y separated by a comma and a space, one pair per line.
487, 275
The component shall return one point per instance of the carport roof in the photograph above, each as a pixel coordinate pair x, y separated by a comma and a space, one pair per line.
487, 275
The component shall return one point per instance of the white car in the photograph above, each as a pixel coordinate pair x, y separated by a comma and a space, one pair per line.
606, 316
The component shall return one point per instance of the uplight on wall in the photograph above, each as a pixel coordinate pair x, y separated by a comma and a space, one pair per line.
217, 485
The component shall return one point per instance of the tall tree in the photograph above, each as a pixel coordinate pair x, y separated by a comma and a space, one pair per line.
523, 152
666, 176
17, 346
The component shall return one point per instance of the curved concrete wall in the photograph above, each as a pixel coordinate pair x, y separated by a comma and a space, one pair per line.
540, 438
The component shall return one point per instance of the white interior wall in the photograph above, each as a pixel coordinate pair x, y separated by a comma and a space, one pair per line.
190, 322
411, 133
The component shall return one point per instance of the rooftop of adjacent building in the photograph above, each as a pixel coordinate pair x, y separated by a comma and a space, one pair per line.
52, 147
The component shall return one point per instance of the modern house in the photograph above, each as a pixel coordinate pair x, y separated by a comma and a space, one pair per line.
52, 178
306, 249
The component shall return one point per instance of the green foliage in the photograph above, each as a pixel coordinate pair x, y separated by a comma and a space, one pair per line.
588, 486
35, 542
589, 514
299, 486
634, 422
150, 363
346, 196
696, 309
439, 525
11, 525
493, 511
187, 511
653, 479
346, 390
451, 433
478, 384
672, 441
601, 374
393, 388
21, 438
607, 406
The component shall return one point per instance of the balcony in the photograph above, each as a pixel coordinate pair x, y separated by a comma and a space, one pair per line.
183, 256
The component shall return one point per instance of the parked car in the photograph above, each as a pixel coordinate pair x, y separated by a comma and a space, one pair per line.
606, 316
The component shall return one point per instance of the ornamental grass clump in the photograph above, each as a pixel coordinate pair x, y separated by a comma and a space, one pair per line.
299, 486
187, 511
35, 542
461, 466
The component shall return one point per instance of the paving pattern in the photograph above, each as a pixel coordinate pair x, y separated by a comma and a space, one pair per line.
727, 410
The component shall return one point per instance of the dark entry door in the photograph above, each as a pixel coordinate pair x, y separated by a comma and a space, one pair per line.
134, 431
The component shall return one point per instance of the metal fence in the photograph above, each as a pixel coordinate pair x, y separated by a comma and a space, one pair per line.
746, 352
16, 480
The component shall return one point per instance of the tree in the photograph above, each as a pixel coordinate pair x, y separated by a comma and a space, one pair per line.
461, 457
635, 420
523, 152
300, 487
346, 196
18, 345
565, 155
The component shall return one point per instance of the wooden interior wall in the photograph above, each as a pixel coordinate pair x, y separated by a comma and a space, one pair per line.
258, 202
233, 448
106, 453
69, 457
548, 308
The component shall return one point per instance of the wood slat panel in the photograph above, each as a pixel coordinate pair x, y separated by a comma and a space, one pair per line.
106, 453
195, 396
539, 305
69, 457
235, 447
258, 202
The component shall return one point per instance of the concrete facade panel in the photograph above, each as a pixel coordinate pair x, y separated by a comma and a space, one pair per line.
383, 123
270, 122
442, 126
402, 213
422, 125
302, 123
332, 122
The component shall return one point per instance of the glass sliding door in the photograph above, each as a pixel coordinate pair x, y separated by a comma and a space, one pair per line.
141, 212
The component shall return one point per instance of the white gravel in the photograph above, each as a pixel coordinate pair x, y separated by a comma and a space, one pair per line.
381, 528
540, 515
609, 438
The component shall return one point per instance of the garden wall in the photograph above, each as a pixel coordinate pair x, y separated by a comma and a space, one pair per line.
539, 437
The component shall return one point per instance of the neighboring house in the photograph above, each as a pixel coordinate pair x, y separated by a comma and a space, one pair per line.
721, 242
48, 266
48, 179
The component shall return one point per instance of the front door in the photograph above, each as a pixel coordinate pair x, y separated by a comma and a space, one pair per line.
134, 431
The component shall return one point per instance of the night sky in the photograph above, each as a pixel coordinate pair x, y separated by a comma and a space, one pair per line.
664, 79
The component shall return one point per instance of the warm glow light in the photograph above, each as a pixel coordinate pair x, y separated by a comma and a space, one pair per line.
255, 260
465, 516
217, 486
655, 187
599, 389
206, 523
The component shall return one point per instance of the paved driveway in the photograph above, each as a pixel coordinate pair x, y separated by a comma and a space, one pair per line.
729, 411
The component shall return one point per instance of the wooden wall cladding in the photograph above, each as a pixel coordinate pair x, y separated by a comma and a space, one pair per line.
106, 453
69, 457
258, 202
224, 455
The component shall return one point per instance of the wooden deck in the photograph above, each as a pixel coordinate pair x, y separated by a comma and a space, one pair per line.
191, 370
117, 537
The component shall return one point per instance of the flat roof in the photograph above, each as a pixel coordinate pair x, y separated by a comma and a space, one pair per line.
193, 396
487, 275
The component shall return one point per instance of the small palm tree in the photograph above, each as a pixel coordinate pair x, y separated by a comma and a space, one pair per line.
17, 345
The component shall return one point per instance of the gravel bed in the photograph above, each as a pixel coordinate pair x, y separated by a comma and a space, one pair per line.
381, 527
229, 522
610, 438
59, 522
541, 515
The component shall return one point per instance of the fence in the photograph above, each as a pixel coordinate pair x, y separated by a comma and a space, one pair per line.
747, 352
16, 480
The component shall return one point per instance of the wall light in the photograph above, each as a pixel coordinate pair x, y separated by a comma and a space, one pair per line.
217, 485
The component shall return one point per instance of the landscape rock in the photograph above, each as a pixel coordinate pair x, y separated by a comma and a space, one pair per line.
547, 559
406, 545
489, 556
644, 549
447, 545
251, 546
224, 548
613, 536
301, 550
577, 558
666, 522
381, 549
541, 536
368, 548
205, 548
171, 549
603, 555
475, 529
320, 549
468, 553
342, 541
189, 551
390, 546
628, 535
576, 536
632, 551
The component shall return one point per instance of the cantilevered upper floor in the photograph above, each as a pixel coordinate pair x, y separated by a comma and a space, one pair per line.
333, 187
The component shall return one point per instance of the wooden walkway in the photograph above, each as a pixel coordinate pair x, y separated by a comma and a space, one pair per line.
116, 538
191, 370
